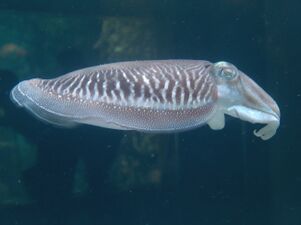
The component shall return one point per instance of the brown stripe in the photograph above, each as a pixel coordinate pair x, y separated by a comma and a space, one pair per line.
198, 87
100, 88
156, 91
204, 90
184, 86
73, 86
147, 94
170, 88
50, 83
84, 85
178, 95
67, 84
124, 85
57, 84
110, 87
117, 94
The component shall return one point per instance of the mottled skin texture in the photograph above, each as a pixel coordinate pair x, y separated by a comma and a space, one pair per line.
152, 96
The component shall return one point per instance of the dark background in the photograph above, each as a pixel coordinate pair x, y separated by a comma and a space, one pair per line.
205, 176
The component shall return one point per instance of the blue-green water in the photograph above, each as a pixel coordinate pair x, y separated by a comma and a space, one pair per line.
90, 175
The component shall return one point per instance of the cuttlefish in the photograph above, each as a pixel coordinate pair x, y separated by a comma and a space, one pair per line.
150, 96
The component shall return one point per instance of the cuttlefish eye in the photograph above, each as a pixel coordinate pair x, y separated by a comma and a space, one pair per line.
225, 70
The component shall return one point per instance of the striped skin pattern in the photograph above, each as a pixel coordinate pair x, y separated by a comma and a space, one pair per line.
151, 96
157, 96
158, 85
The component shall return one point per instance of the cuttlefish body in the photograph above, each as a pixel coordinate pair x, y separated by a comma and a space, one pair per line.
150, 96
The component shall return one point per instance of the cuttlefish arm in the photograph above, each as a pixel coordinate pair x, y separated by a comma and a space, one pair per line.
239, 96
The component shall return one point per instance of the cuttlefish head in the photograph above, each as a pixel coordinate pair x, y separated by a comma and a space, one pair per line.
239, 96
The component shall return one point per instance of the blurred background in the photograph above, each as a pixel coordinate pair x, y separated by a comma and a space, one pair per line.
89, 175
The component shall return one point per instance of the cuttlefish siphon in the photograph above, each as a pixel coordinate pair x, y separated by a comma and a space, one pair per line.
150, 96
